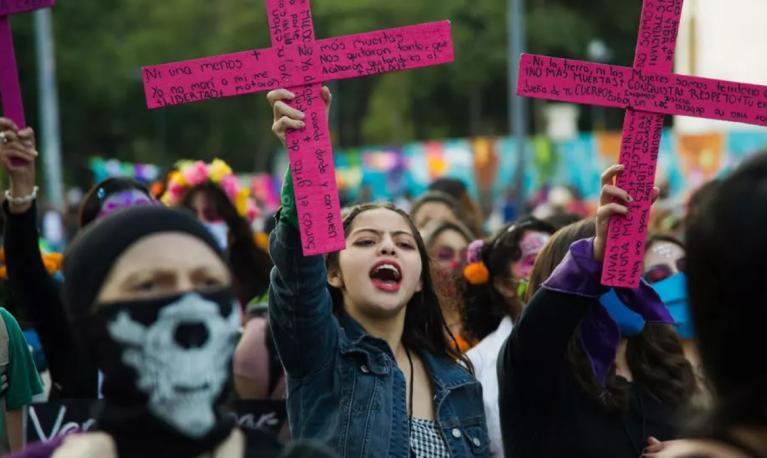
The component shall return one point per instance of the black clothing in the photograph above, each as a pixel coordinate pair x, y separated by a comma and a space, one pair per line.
33, 289
94, 252
544, 410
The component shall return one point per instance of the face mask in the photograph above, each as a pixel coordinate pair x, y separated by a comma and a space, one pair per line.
220, 232
629, 322
171, 355
673, 293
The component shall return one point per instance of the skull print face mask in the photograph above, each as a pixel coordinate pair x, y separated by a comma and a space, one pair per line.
172, 354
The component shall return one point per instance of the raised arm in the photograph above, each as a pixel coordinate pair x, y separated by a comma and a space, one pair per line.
31, 287
300, 306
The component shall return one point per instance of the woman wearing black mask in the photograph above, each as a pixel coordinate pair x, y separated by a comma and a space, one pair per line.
150, 294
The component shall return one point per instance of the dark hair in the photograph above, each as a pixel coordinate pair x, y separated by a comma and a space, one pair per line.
94, 199
727, 269
250, 264
425, 328
699, 197
438, 197
456, 188
560, 220
443, 226
484, 306
655, 356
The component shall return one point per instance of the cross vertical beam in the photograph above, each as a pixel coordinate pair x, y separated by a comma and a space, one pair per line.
10, 89
642, 131
299, 62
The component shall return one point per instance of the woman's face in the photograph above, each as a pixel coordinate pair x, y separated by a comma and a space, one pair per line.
530, 246
380, 269
161, 265
448, 250
204, 207
662, 260
433, 211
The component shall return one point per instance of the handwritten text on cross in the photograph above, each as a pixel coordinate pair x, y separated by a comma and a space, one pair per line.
648, 91
300, 63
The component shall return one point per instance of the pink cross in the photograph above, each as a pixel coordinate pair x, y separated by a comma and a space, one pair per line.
648, 91
10, 90
299, 62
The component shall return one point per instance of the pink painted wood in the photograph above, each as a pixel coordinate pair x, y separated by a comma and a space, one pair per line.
301, 63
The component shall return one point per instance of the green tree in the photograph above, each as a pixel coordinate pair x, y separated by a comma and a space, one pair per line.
100, 47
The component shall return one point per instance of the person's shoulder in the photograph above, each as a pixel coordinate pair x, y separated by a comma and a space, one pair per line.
7, 316
86, 445
699, 448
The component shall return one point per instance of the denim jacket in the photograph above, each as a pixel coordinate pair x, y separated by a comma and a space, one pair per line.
344, 386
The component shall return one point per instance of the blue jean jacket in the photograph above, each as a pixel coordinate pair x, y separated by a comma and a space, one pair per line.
344, 386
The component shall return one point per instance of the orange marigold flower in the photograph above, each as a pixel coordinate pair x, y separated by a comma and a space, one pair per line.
476, 273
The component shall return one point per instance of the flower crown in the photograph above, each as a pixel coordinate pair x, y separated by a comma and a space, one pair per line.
193, 173
476, 272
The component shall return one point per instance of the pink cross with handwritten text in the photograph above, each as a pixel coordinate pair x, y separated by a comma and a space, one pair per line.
300, 63
648, 92
10, 90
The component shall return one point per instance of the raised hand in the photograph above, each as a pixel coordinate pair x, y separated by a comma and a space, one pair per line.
18, 152
286, 117
612, 201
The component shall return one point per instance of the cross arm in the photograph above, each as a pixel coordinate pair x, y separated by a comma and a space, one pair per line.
10, 7
573, 81
196, 80
247, 72
383, 51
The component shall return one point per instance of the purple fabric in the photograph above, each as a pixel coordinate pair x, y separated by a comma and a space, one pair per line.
579, 273
40, 449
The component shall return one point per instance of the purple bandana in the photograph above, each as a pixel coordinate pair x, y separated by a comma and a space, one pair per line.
579, 274
124, 199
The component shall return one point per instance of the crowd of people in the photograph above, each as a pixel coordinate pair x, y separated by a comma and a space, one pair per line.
425, 337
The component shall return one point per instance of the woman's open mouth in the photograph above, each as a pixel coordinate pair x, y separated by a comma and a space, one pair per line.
386, 276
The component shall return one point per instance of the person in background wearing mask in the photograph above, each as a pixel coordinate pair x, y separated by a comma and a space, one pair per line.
493, 286
30, 284
225, 207
665, 264
581, 376
447, 242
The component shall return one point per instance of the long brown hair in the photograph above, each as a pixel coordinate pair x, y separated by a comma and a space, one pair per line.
425, 328
655, 356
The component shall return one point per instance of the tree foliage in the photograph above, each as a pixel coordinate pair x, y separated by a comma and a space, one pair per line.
101, 45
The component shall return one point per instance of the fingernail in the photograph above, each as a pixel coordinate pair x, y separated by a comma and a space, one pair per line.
301, 124
291, 95
301, 115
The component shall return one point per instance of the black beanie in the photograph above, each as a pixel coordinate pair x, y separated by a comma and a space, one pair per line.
90, 258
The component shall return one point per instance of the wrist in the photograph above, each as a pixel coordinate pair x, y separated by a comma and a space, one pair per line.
21, 188
20, 203
598, 251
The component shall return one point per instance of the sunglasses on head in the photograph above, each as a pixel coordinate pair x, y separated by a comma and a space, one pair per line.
661, 272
